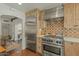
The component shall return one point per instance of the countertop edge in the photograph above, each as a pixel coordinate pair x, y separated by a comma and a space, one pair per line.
71, 39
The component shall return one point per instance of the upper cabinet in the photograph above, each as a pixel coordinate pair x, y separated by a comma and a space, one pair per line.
69, 15
71, 18
77, 15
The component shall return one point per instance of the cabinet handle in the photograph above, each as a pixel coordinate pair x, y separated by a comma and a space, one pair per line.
75, 25
71, 42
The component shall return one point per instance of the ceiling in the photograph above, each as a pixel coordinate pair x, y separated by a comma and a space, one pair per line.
25, 7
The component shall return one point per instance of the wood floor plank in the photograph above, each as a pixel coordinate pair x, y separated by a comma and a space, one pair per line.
25, 52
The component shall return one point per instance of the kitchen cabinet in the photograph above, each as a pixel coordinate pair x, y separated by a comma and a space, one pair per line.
69, 15
71, 49
39, 26
39, 47
71, 18
77, 15
31, 29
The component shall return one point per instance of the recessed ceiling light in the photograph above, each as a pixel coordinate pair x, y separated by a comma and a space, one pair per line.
19, 3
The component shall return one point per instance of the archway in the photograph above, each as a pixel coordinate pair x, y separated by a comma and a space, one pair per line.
11, 29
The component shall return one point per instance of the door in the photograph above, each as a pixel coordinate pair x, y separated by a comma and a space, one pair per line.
69, 15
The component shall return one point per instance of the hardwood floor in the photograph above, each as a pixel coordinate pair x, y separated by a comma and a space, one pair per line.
25, 52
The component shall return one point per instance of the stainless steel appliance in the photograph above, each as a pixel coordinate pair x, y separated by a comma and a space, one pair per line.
31, 41
52, 46
31, 29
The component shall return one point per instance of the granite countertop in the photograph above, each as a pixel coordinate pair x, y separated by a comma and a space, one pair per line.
68, 39
71, 39
45, 35
40, 36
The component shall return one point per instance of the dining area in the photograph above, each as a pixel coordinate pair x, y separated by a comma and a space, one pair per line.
2, 51
8, 48
11, 35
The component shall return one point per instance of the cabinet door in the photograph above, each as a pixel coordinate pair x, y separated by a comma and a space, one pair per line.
76, 49
39, 45
67, 49
69, 15
71, 49
77, 16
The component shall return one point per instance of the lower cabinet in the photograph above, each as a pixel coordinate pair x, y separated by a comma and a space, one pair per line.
71, 49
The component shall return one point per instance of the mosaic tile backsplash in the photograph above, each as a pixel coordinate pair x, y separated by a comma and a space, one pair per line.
54, 25
57, 25
71, 32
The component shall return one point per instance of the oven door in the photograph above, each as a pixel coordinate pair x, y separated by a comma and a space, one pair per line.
52, 50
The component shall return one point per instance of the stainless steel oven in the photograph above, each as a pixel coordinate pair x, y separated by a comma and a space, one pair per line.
52, 50
52, 46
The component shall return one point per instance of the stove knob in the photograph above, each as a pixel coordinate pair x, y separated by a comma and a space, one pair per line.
47, 40
59, 42
51, 40
56, 41
43, 39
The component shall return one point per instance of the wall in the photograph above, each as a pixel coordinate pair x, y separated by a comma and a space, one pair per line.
6, 10
18, 26
0, 31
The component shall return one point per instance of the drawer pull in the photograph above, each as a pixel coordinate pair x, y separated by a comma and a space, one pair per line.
75, 25
71, 42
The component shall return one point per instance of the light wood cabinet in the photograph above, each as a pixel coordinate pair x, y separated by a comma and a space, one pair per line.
69, 15
40, 25
77, 15
71, 18
71, 49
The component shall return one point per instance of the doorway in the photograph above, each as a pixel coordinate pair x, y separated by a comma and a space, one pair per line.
11, 28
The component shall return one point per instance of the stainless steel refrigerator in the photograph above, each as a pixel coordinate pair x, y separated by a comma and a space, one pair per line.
31, 32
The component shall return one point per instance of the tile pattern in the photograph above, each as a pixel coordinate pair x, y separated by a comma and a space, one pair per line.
54, 26
72, 32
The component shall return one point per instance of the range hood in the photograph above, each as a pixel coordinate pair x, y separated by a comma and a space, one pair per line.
54, 12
